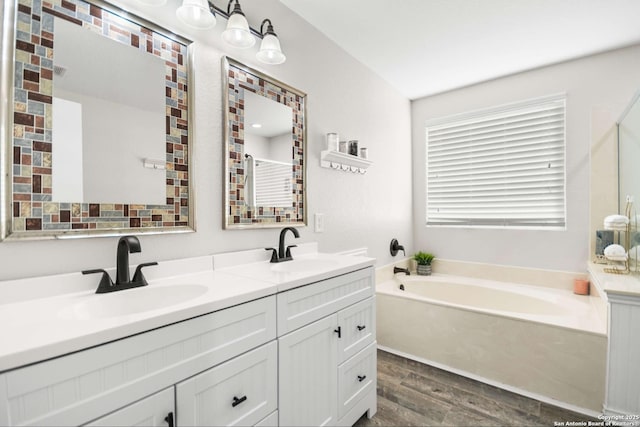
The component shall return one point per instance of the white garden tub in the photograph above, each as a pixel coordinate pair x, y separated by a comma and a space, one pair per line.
544, 342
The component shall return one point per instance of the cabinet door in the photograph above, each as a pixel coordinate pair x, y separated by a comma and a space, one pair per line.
358, 325
308, 374
155, 410
270, 420
623, 369
241, 391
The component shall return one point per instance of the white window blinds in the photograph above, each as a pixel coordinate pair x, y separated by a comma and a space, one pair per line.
272, 182
503, 167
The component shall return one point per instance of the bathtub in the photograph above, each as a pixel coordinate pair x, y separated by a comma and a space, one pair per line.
542, 342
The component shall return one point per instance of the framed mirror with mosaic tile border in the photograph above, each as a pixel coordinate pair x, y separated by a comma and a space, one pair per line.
28, 53
240, 213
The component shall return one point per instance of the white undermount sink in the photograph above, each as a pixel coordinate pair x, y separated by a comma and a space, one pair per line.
130, 301
302, 265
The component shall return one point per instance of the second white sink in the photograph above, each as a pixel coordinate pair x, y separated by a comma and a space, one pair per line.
302, 265
130, 301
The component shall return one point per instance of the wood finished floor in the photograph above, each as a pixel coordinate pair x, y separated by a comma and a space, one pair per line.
414, 394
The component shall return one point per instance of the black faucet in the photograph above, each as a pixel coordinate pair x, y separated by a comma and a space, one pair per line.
126, 245
401, 270
283, 254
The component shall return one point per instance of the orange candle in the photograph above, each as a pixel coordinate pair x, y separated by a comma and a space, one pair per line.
581, 286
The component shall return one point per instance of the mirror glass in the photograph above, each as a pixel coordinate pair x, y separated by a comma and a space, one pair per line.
267, 151
100, 140
89, 111
629, 155
266, 136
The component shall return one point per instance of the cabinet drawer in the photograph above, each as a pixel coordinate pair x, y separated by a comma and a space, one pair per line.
155, 410
82, 386
307, 304
358, 327
241, 391
356, 377
269, 421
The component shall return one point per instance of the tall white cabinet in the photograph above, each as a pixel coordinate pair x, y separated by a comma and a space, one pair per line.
623, 364
622, 395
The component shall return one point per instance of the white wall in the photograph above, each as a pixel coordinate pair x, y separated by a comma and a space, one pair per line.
66, 179
343, 96
602, 82
105, 144
280, 148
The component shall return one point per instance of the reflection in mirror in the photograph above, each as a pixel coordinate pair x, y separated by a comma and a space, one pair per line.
100, 117
628, 159
629, 155
89, 111
265, 159
267, 151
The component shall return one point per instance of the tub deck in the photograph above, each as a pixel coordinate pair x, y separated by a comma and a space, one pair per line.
556, 307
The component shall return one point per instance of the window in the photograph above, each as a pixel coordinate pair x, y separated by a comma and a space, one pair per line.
503, 167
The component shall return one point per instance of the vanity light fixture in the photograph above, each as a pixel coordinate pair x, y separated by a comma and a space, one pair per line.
196, 14
201, 15
270, 51
237, 33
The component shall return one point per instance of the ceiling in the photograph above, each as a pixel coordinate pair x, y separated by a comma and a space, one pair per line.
424, 47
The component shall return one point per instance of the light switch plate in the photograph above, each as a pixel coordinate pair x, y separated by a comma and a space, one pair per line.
318, 223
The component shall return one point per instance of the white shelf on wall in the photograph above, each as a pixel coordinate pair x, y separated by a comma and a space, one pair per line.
345, 162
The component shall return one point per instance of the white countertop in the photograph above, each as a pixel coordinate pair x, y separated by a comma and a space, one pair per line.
314, 266
611, 283
41, 319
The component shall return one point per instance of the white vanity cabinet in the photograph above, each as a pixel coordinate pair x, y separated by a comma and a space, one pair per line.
293, 345
122, 382
327, 351
623, 365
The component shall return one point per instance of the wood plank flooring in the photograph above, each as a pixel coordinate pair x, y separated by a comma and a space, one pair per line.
414, 394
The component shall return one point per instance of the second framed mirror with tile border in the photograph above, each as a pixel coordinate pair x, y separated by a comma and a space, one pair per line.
265, 150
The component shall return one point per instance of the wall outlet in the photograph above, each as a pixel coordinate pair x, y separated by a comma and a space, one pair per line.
318, 223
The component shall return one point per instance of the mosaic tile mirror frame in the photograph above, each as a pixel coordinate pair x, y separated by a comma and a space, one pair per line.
239, 79
28, 208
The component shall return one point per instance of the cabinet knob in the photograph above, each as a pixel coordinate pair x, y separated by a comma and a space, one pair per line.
361, 378
338, 331
361, 327
238, 400
169, 419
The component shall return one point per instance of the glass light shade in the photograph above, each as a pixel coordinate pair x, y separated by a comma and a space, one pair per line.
270, 52
237, 33
196, 14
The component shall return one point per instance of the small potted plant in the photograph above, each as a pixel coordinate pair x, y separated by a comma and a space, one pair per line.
423, 259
